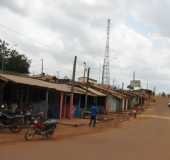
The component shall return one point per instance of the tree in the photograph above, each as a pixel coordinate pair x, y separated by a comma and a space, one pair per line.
4, 53
11, 60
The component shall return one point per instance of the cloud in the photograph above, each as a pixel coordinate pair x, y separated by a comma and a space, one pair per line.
153, 13
17, 6
59, 30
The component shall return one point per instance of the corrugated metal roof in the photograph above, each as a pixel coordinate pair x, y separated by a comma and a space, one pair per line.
128, 93
96, 92
91, 90
108, 91
39, 83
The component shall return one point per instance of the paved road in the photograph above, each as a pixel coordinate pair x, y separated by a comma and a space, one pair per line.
146, 138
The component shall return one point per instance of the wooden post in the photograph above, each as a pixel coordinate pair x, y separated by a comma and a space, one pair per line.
105, 105
72, 89
61, 105
123, 104
122, 85
87, 85
65, 105
79, 105
126, 104
71, 106
85, 69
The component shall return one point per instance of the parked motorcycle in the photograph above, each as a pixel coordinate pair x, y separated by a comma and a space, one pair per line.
38, 127
13, 118
11, 121
27, 117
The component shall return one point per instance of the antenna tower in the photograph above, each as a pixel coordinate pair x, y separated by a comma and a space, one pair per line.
106, 65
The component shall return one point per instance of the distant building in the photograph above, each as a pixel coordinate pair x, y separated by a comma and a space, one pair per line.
135, 84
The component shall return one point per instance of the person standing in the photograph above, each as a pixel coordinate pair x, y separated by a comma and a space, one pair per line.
134, 113
93, 112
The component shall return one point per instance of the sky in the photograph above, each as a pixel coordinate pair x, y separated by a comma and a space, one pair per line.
58, 30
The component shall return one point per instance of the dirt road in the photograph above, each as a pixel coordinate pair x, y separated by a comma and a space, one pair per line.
146, 138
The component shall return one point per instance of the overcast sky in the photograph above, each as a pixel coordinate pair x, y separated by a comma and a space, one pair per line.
57, 30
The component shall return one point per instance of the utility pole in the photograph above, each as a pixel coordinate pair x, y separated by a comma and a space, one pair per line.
87, 85
147, 84
134, 76
122, 85
72, 88
74, 73
85, 70
113, 84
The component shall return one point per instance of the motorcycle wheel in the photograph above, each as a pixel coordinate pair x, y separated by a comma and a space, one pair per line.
15, 129
29, 134
48, 134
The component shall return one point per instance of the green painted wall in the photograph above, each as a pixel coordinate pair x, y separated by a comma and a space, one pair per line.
113, 104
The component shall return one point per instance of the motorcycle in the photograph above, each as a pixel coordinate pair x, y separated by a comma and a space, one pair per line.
15, 120
11, 121
27, 117
38, 127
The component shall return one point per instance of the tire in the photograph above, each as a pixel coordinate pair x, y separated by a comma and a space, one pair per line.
16, 126
46, 136
15, 129
49, 134
29, 134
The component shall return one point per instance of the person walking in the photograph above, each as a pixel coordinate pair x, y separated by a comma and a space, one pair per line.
93, 112
134, 113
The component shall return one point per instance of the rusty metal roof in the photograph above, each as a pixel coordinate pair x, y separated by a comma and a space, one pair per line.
108, 91
39, 83
91, 90
96, 92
